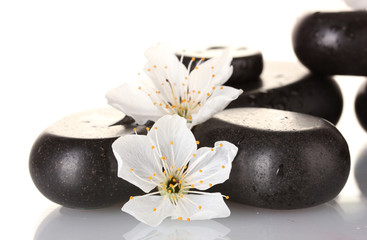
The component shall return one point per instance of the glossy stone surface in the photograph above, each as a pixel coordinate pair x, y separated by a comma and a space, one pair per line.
285, 160
361, 105
360, 171
247, 63
72, 162
290, 86
332, 43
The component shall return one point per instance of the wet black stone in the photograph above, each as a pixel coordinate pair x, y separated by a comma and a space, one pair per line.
247, 63
285, 160
72, 162
361, 105
289, 86
332, 43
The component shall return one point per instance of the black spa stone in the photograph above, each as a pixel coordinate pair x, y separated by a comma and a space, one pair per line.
72, 163
361, 105
285, 160
290, 86
332, 43
247, 63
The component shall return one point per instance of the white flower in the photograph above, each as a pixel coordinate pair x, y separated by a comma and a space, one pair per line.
172, 89
167, 160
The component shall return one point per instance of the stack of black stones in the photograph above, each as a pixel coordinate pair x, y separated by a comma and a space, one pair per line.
290, 153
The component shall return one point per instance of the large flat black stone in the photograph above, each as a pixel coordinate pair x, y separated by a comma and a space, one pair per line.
290, 86
361, 105
72, 163
286, 160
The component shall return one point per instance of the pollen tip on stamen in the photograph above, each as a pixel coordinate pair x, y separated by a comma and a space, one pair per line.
185, 167
213, 75
147, 128
193, 59
134, 129
200, 207
212, 149
155, 66
227, 197
197, 142
131, 169
154, 174
148, 69
179, 218
152, 147
196, 68
220, 145
208, 94
223, 166
203, 58
155, 128
139, 87
221, 88
181, 196
200, 170
212, 67
154, 209
192, 185
210, 184
131, 197
178, 169
201, 181
213, 88
188, 219
171, 143
150, 177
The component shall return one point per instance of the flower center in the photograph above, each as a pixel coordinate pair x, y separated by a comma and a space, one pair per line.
172, 95
174, 187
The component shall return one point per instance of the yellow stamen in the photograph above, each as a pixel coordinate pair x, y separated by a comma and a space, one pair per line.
188, 219
201, 181
131, 169
200, 170
131, 197
197, 142
212, 149
220, 145
154, 209
210, 184
227, 197
171, 143
223, 166
147, 128
200, 207
180, 218
152, 147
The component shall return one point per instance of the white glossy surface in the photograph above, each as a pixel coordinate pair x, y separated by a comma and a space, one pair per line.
61, 57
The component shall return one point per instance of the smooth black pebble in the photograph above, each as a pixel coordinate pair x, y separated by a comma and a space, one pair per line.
247, 63
285, 160
290, 86
72, 162
332, 43
361, 105
360, 171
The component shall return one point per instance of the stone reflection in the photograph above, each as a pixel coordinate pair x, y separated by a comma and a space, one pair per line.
360, 171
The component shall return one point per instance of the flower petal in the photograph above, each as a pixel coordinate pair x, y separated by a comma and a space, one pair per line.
136, 163
151, 210
174, 140
213, 72
211, 166
219, 100
201, 206
163, 64
133, 102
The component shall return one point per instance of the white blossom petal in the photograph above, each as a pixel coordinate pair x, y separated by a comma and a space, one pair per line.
132, 101
199, 207
174, 140
163, 64
136, 163
219, 100
151, 210
214, 72
211, 166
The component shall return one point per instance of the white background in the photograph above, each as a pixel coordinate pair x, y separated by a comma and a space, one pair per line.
61, 57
